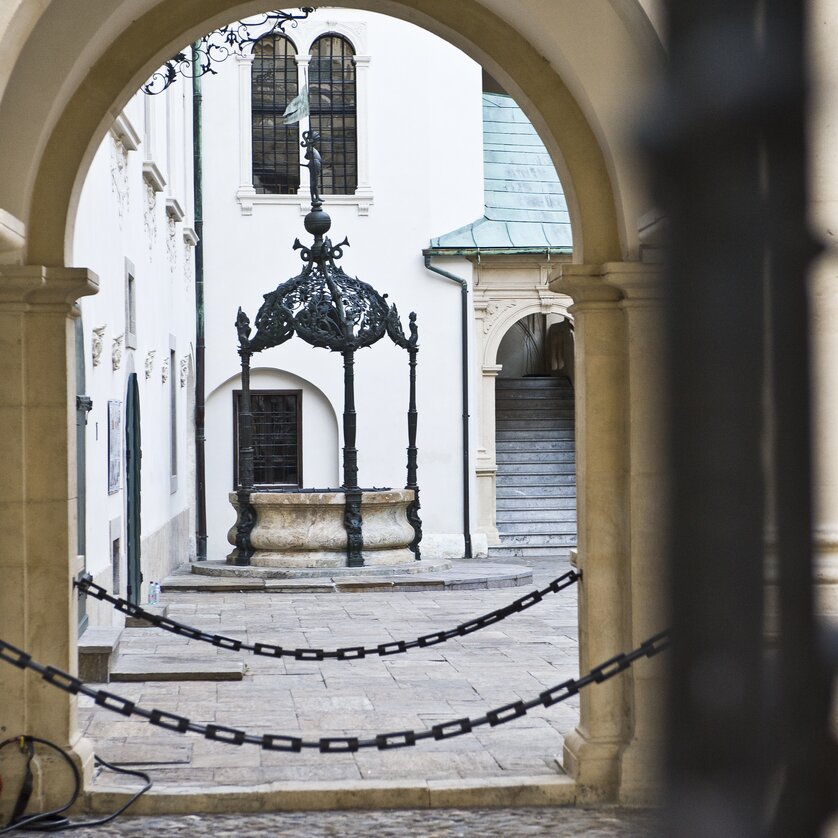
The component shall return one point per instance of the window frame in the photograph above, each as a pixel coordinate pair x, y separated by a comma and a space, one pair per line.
333, 114
303, 37
291, 77
298, 394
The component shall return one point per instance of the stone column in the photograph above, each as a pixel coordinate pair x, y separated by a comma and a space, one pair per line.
823, 184
647, 496
362, 67
38, 516
486, 466
246, 191
592, 751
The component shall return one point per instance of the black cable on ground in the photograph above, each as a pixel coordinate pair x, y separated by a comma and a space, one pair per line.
54, 819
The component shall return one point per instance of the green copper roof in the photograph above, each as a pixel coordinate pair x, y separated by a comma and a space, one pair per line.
525, 203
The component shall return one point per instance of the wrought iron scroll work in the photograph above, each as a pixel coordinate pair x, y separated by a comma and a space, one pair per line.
219, 45
246, 518
327, 308
411, 344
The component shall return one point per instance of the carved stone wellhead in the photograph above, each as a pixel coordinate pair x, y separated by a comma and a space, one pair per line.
326, 308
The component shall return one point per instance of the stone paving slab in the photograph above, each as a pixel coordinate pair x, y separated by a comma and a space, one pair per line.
464, 677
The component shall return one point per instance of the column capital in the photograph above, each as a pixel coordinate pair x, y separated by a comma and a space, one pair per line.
583, 284
492, 370
636, 280
608, 282
45, 287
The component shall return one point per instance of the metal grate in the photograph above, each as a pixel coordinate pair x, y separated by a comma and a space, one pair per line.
277, 438
276, 151
333, 115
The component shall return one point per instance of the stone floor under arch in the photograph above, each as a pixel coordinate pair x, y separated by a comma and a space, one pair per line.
464, 677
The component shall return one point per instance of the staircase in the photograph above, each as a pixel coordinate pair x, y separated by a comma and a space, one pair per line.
536, 477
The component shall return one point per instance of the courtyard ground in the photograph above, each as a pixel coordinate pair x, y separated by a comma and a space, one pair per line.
464, 677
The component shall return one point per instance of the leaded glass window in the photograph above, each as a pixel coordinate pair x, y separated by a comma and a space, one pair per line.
277, 438
333, 112
276, 148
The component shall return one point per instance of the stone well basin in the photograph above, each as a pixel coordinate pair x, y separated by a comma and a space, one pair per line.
305, 529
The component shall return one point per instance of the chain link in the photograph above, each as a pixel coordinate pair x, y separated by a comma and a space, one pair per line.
336, 744
395, 647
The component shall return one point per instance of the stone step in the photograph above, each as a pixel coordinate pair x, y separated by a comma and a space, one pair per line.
523, 435
541, 479
523, 552
540, 395
532, 414
529, 458
544, 540
537, 528
534, 445
522, 516
140, 622
97, 650
543, 466
534, 504
530, 425
532, 382
161, 668
528, 493
553, 405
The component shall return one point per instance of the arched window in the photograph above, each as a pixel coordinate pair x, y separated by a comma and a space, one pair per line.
276, 150
333, 112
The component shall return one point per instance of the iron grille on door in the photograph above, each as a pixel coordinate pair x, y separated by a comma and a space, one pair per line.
277, 438
276, 150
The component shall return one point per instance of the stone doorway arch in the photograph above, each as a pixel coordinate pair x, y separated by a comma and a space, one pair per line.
502, 298
53, 115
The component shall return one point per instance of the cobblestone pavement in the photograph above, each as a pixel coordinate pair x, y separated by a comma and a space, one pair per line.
516, 658
438, 823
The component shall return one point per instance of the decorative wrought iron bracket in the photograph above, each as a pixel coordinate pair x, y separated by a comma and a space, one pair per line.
219, 45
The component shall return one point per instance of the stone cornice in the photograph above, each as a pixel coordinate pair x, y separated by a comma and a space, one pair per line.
50, 287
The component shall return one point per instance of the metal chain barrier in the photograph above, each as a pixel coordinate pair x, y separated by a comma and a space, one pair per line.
332, 744
394, 647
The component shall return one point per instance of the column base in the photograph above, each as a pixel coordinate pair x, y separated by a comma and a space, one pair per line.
826, 573
640, 774
594, 765
52, 779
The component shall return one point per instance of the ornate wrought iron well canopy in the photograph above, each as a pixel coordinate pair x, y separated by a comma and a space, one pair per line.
325, 307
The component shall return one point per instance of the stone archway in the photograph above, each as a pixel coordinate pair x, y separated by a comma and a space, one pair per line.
52, 117
502, 299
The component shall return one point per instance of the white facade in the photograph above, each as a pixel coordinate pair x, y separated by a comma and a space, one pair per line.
419, 172
134, 229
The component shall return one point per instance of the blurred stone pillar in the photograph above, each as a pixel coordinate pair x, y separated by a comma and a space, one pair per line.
38, 516
823, 185
592, 751
647, 507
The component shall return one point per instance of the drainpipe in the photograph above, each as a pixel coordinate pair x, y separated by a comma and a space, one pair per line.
464, 357
200, 344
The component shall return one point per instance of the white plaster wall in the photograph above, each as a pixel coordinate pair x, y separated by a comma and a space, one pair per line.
426, 176
120, 219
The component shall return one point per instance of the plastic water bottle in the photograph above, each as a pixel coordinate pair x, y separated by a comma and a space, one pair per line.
154, 593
